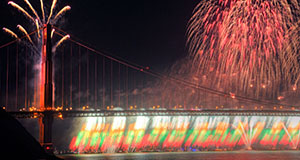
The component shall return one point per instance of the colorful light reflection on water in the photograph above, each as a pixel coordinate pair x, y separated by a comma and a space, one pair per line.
174, 133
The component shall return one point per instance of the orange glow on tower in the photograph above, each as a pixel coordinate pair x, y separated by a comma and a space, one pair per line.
42, 77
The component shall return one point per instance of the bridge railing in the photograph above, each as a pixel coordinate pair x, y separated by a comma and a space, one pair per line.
111, 113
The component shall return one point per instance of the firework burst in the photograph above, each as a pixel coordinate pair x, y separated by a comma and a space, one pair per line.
61, 12
51, 11
10, 32
36, 20
61, 41
33, 10
13, 4
245, 45
25, 32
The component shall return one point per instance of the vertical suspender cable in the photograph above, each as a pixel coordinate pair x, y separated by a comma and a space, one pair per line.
87, 78
127, 87
119, 105
142, 93
134, 95
169, 100
103, 83
79, 75
71, 76
7, 70
111, 83
62, 77
34, 90
162, 100
17, 78
26, 83
95, 86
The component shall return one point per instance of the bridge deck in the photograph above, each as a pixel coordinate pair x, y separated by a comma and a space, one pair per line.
111, 113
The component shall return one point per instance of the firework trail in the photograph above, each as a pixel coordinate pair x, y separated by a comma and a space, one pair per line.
42, 9
52, 32
37, 27
241, 44
20, 9
25, 32
33, 10
51, 11
10, 32
65, 9
62, 40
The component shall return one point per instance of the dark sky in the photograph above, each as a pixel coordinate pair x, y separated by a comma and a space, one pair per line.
147, 32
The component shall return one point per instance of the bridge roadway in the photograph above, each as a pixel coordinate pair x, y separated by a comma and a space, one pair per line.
111, 113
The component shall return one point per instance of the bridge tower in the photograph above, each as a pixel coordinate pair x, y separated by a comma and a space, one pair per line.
45, 122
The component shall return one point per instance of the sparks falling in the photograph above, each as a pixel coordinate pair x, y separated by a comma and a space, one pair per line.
51, 10
33, 10
42, 9
241, 44
52, 33
21, 10
25, 33
62, 11
62, 40
10, 32
37, 28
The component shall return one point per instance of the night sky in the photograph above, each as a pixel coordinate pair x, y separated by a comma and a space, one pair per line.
151, 33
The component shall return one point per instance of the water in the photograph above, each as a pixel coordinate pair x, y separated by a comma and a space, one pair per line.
229, 155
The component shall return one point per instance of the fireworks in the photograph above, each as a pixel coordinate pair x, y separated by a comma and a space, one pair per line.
33, 10
51, 11
166, 133
25, 32
243, 42
37, 27
52, 32
62, 40
20, 9
65, 9
10, 32
36, 20
42, 9
38, 24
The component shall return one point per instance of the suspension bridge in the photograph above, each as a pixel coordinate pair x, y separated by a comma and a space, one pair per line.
79, 81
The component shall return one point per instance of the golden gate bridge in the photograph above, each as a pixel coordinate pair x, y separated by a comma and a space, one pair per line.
94, 84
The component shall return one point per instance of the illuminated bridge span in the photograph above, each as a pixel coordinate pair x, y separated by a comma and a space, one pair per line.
128, 113
179, 130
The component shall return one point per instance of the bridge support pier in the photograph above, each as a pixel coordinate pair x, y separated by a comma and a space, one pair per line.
46, 122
